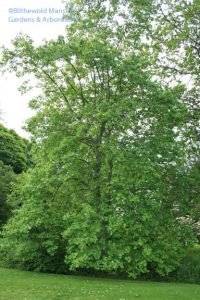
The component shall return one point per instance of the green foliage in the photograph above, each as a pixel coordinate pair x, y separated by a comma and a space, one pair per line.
34, 238
14, 159
6, 178
189, 269
176, 53
13, 150
178, 32
107, 190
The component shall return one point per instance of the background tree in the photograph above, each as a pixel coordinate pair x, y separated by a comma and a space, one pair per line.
14, 158
7, 177
13, 150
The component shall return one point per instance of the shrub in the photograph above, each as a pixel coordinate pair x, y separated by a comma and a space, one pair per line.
189, 269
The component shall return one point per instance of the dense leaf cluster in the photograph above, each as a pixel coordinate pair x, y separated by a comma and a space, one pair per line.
14, 159
13, 150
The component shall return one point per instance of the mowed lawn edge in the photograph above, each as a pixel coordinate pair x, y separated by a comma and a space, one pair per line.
24, 285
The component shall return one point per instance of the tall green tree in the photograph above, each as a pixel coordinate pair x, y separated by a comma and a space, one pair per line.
102, 194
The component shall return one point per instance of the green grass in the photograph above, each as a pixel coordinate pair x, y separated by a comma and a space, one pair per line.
20, 285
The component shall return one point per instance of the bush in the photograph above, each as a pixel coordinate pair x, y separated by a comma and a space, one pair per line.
189, 270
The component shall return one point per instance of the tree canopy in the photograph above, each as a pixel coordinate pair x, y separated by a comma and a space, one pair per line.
13, 150
14, 159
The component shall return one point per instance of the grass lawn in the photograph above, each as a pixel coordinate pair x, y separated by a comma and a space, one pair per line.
20, 285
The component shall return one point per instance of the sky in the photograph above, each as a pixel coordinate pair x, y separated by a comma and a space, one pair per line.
40, 19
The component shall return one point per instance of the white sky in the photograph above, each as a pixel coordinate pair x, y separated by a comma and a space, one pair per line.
13, 106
